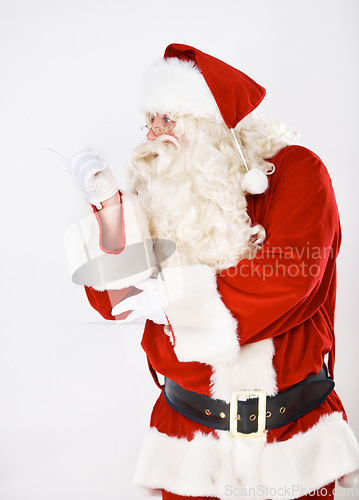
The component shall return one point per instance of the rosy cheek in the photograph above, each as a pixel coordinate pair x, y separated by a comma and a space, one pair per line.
171, 127
171, 132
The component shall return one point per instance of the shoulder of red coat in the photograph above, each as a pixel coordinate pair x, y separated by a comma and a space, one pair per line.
299, 164
295, 153
298, 159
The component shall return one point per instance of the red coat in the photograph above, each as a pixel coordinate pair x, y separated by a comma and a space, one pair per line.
283, 304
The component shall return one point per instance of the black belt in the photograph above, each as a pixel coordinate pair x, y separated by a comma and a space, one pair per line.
250, 412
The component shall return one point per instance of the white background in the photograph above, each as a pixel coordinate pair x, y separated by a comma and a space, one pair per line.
75, 393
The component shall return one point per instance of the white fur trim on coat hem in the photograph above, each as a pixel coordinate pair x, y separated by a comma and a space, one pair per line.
220, 467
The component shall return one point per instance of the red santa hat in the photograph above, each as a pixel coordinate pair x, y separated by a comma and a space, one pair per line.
189, 81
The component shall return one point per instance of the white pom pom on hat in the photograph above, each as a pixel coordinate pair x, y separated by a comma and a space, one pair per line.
188, 80
255, 181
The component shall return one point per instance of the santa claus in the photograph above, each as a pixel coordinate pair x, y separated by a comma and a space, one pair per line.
240, 316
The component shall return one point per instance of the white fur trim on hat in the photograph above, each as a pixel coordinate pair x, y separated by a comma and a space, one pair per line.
177, 87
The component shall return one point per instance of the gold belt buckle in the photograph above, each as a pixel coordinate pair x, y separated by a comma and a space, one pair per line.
234, 417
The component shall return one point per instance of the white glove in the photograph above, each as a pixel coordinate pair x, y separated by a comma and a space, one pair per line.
147, 304
90, 174
156, 295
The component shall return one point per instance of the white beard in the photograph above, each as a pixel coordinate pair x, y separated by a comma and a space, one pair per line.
192, 196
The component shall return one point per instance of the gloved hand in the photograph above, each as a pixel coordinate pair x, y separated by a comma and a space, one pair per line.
156, 295
90, 174
147, 304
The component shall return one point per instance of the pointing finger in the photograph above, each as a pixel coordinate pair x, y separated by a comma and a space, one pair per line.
61, 160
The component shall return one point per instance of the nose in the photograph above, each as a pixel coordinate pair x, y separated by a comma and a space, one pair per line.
150, 135
157, 126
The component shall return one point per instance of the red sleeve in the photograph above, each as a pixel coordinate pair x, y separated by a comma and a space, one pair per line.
104, 301
121, 240
289, 279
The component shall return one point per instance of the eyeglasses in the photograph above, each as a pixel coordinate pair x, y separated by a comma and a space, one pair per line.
158, 130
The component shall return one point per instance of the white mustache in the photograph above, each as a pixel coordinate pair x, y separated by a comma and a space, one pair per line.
168, 138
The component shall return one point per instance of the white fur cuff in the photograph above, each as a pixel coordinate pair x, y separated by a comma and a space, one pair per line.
204, 329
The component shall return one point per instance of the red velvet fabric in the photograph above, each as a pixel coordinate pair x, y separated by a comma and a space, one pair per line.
235, 93
172, 496
103, 302
324, 492
287, 292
